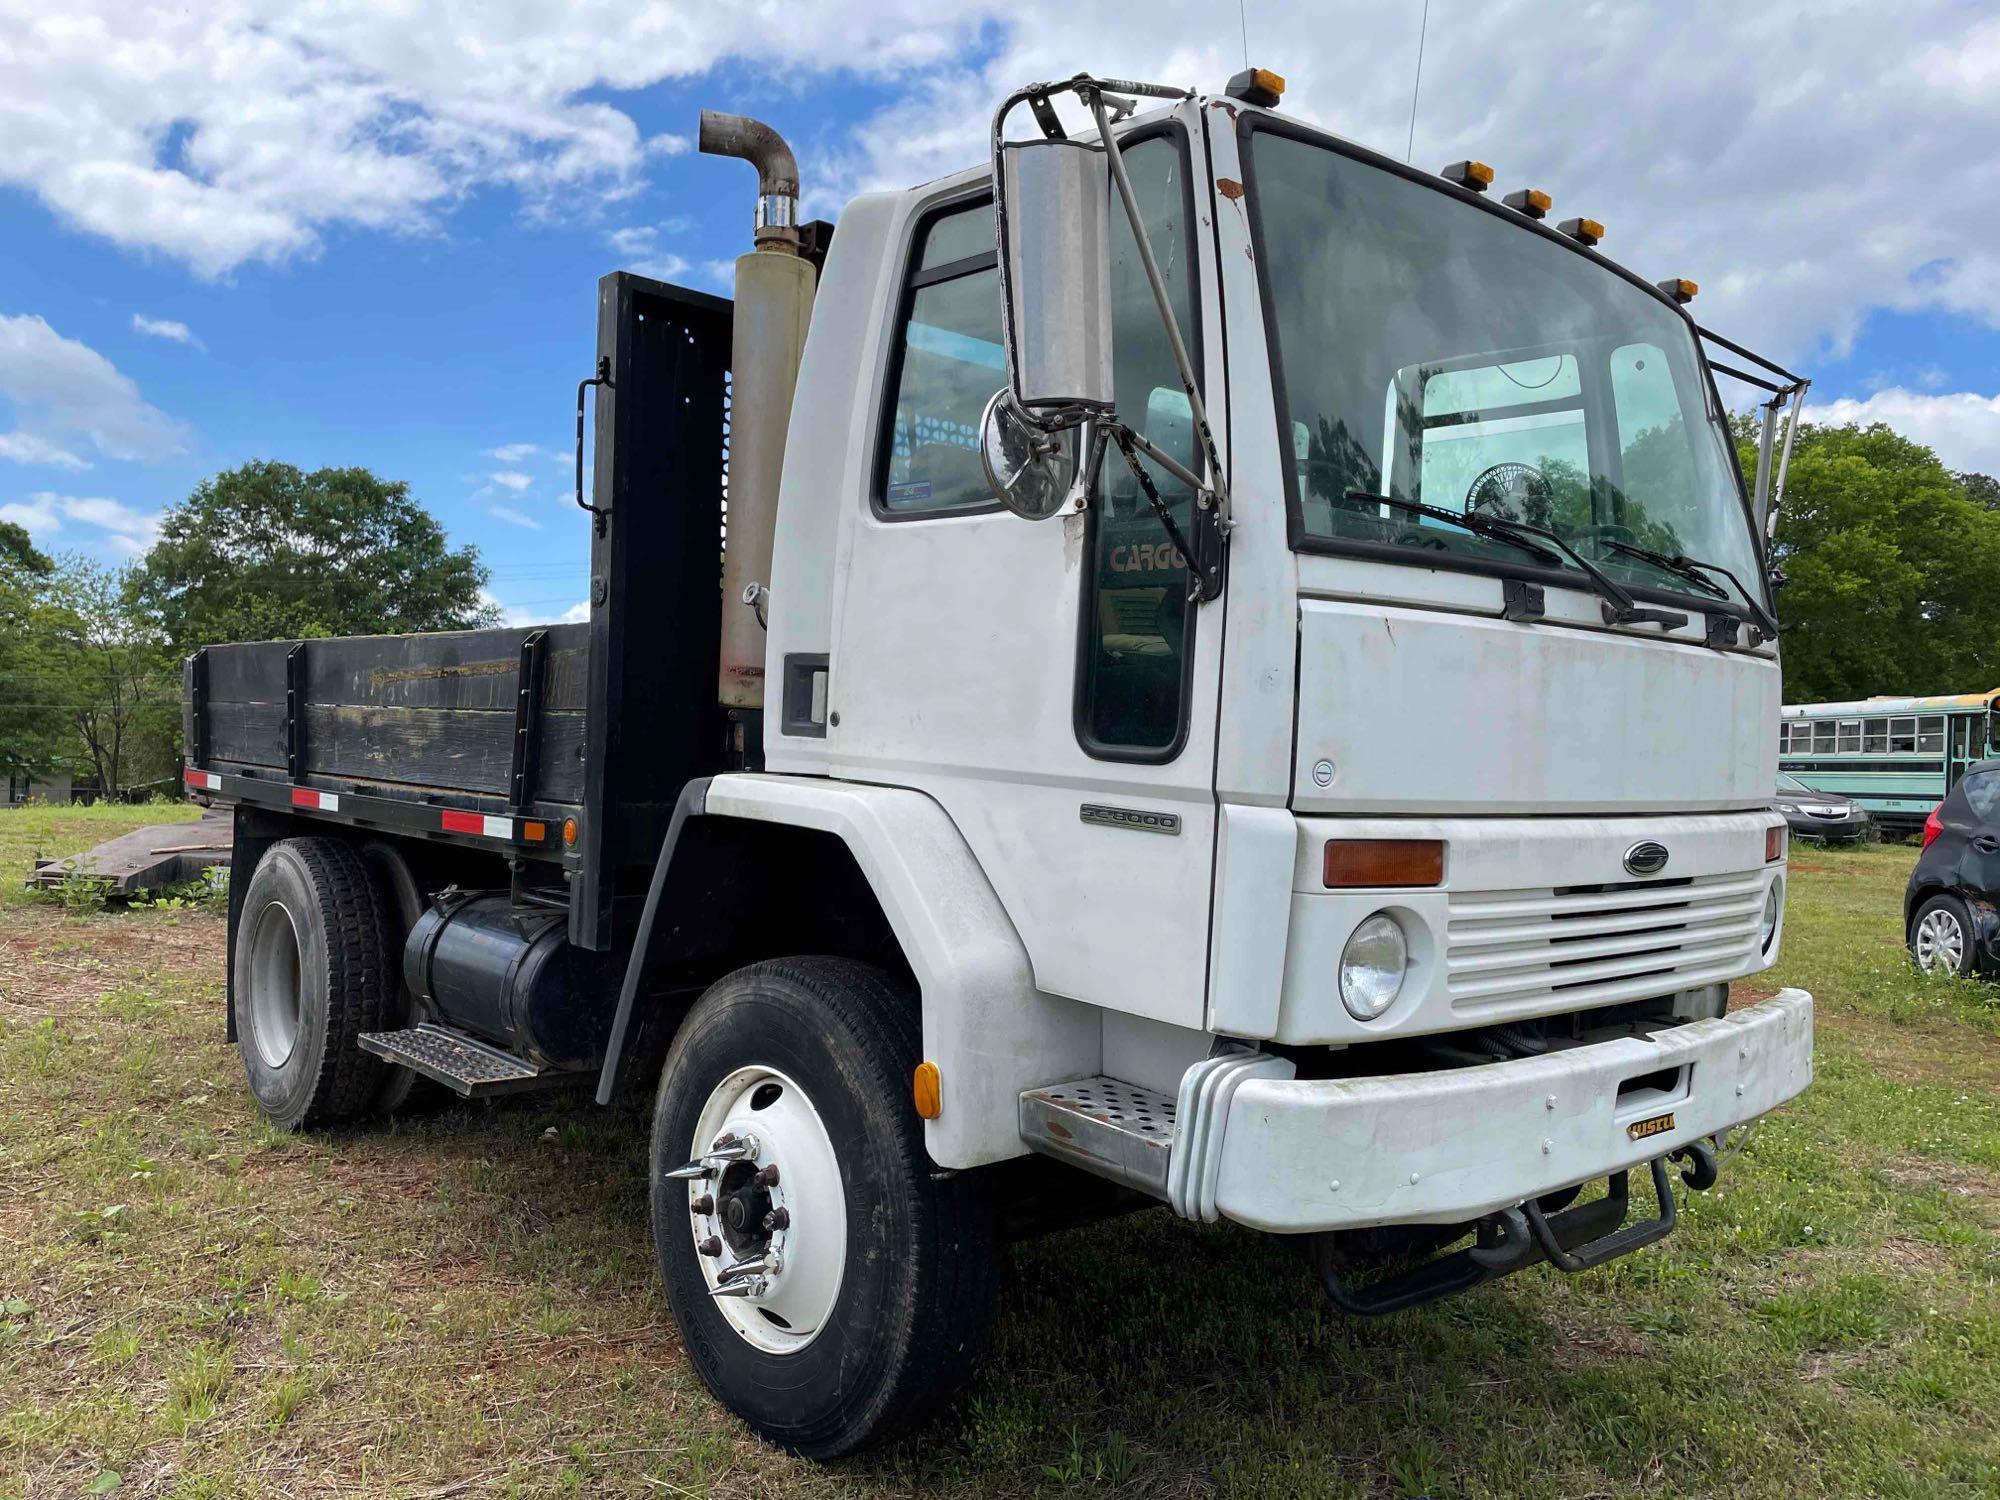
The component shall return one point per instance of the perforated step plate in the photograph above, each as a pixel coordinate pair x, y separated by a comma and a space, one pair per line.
462, 1063
1104, 1125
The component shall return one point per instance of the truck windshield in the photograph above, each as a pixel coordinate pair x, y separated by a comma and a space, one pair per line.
1434, 350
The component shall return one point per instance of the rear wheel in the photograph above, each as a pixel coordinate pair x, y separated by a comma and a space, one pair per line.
1941, 936
829, 1288
309, 978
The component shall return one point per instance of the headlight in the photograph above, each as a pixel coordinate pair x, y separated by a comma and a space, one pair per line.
1372, 966
1787, 807
1773, 904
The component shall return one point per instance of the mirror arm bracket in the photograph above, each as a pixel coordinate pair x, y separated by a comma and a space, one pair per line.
1092, 93
1204, 578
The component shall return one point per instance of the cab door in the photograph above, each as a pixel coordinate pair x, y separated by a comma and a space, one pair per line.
1049, 683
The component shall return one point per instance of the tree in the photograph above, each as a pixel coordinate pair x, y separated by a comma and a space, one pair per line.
17, 551
121, 689
267, 552
1891, 560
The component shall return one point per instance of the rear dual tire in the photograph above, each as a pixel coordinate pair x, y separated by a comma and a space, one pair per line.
311, 974
875, 1344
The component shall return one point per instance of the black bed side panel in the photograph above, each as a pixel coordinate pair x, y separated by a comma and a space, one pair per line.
655, 586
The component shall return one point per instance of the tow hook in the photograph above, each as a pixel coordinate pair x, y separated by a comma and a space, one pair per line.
1699, 1168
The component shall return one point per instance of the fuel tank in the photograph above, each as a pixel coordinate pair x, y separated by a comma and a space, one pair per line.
509, 974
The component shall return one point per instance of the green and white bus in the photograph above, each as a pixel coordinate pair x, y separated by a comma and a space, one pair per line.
1897, 757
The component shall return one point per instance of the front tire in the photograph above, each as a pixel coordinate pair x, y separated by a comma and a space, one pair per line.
310, 977
876, 1278
1941, 936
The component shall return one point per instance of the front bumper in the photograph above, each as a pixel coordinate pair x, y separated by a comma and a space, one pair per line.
1805, 825
1302, 1155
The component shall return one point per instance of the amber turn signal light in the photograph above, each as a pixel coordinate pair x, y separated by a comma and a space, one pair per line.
1379, 862
1774, 843
927, 1089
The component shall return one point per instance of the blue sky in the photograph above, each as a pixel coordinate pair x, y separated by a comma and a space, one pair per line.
343, 235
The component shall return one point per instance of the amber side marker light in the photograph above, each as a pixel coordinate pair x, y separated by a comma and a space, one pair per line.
1774, 844
569, 831
927, 1089
1379, 862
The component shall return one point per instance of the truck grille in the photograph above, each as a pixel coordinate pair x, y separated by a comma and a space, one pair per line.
1536, 952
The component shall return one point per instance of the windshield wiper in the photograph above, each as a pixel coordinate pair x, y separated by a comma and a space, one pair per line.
1620, 608
1678, 566
1692, 569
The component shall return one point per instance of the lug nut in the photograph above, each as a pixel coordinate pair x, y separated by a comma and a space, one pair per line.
778, 1218
767, 1176
705, 1204
710, 1246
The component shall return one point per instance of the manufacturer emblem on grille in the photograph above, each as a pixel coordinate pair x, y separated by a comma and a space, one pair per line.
1647, 858
1659, 1124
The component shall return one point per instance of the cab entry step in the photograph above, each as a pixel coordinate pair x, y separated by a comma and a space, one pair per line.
462, 1063
1104, 1125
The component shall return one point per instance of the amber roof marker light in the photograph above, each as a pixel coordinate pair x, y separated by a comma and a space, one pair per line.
1679, 288
1258, 86
1583, 231
1474, 176
1530, 201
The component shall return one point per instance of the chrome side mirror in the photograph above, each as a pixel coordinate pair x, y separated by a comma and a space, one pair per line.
1027, 465
1054, 225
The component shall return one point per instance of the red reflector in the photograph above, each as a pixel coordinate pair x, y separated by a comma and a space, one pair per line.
1774, 843
462, 822
1375, 862
1933, 825
304, 797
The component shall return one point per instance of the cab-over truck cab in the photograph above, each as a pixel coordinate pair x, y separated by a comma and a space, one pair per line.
1341, 809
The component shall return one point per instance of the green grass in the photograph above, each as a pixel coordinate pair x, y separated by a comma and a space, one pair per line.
464, 1303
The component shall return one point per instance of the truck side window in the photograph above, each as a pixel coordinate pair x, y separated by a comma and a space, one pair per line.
1132, 668
948, 364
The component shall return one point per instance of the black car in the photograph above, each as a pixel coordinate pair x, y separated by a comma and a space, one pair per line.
1819, 815
1948, 911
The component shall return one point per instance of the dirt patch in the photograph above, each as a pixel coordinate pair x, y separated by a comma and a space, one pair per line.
1902, 1255
55, 964
1977, 1188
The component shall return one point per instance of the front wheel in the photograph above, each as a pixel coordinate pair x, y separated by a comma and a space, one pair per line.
828, 1286
1941, 936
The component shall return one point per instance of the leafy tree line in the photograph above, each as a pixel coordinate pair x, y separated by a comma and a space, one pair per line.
1893, 564
90, 657
1893, 568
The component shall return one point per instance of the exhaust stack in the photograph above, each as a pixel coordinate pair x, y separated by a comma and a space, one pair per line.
774, 296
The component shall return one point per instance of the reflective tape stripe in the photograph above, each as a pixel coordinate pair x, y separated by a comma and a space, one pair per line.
208, 781
478, 824
305, 796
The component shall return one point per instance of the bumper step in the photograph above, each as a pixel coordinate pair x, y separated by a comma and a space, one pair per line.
462, 1063
1104, 1125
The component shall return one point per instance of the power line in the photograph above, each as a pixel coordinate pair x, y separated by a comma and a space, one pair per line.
1244, 21
1423, 29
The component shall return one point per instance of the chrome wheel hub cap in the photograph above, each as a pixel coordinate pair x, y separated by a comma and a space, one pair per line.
766, 1210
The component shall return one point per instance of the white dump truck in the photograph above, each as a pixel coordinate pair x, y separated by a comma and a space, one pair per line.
1243, 678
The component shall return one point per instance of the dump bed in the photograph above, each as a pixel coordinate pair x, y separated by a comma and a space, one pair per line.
566, 744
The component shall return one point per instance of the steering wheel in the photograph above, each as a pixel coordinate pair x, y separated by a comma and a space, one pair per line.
1507, 490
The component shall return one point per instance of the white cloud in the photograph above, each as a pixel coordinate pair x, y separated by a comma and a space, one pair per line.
166, 328
513, 453
637, 247
62, 390
533, 614
120, 528
26, 448
1962, 428
225, 134
1770, 152
514, 517
512, 479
